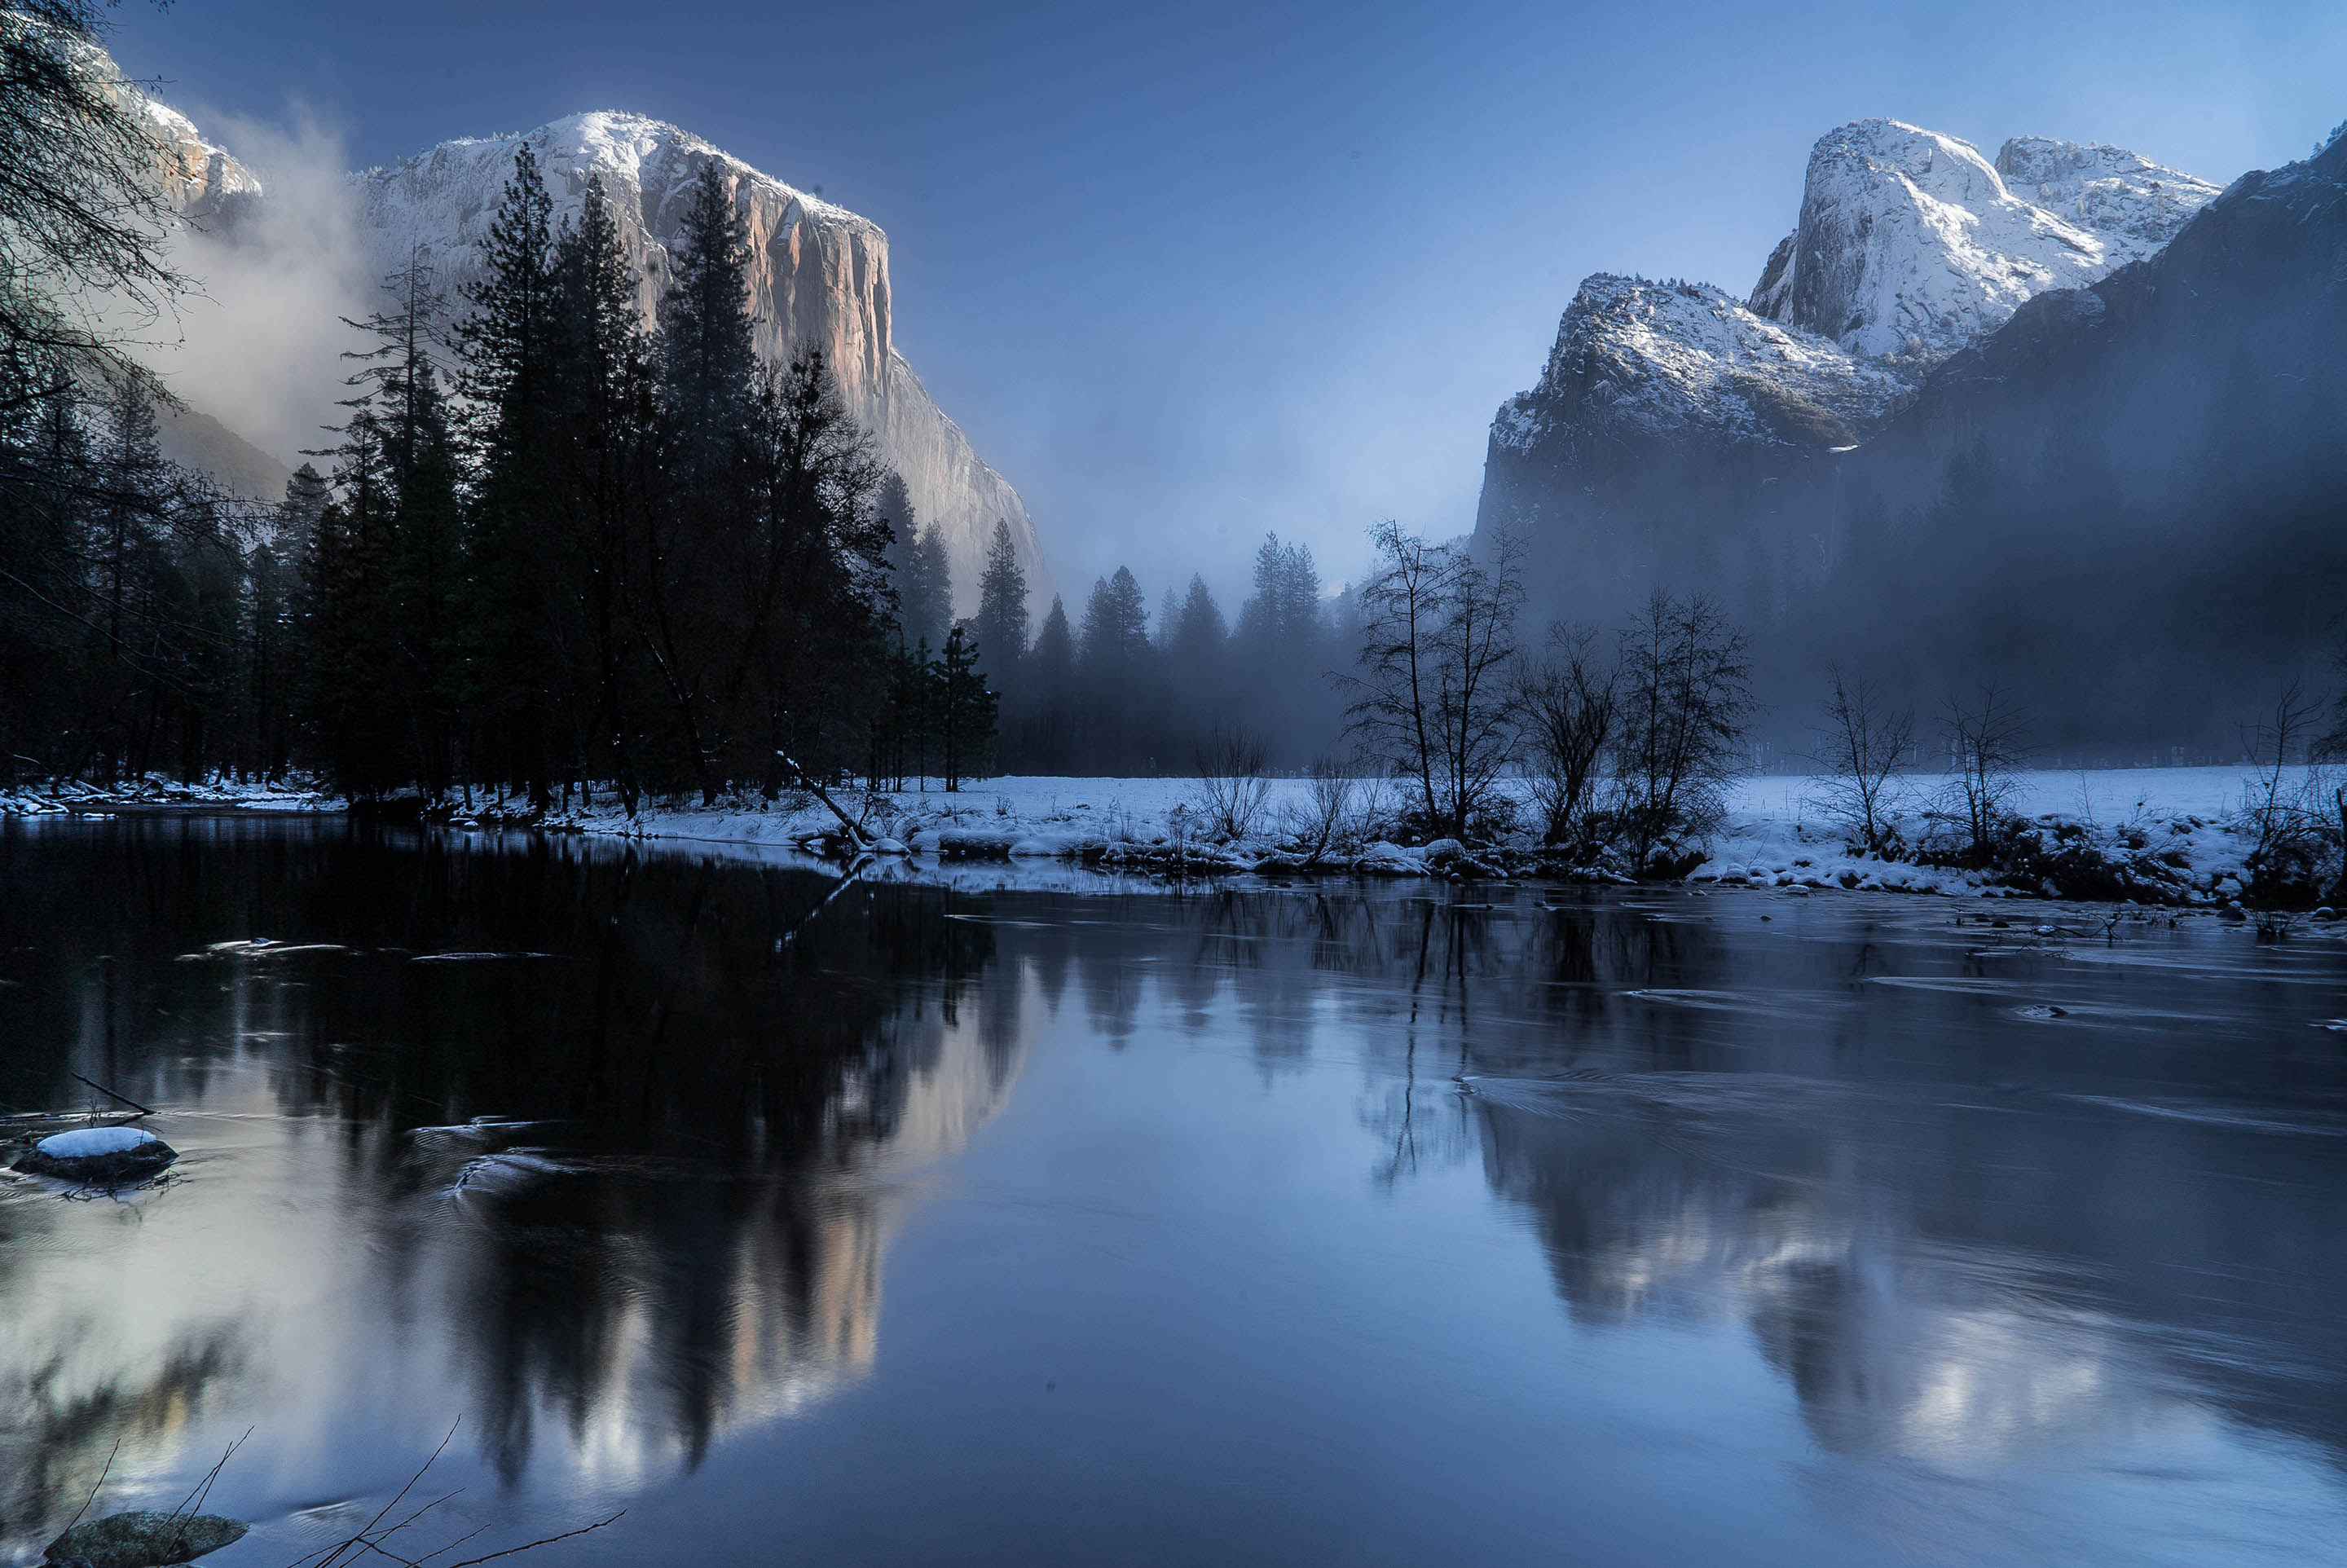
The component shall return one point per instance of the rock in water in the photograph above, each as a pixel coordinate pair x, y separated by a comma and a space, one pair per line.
143, 1537
100, 1154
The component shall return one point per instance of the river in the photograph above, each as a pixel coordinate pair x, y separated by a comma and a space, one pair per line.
1334, 1223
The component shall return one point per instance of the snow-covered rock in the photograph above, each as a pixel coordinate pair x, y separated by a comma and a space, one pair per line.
818, 278
200, 181
98, 1155
2131, 204
1911, 243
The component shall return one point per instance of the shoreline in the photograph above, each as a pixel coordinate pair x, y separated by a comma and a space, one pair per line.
2157, 838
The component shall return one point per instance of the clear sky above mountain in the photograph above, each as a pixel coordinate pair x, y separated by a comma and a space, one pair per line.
1186, 274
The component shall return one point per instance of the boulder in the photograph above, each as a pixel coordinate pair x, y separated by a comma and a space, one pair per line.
99, 1155
1387, 859
1444, 853
143, 1537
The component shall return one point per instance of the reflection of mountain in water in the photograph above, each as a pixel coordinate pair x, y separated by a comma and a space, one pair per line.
631, 1182
1951, 1262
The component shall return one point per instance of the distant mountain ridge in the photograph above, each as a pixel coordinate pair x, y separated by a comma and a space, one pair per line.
1911, 243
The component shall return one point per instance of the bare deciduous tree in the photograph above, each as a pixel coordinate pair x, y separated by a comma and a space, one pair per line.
1232, 786
1861, 745
1988, 740
1565, 705
1326, 814
1685, 704
2288, 820
82, 214
1431, 699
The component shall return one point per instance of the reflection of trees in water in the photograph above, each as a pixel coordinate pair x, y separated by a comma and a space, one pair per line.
1702, 1125
688, 1232
62, 1425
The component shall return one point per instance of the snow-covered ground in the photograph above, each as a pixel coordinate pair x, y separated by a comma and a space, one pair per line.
2175, 823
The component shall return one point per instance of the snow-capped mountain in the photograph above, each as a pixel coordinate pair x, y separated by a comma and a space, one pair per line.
1663, 404
818, 278
1911, 243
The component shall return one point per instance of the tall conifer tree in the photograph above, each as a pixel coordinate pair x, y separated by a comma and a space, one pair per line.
507, 348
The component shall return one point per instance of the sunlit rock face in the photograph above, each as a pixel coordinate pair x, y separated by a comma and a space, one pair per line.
818, 278
202, 182
1911, 243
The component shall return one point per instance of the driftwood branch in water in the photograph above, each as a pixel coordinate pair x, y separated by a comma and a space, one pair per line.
111, 1094
369, 1539
855, 834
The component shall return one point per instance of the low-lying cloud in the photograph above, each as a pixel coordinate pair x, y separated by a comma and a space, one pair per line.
258, 344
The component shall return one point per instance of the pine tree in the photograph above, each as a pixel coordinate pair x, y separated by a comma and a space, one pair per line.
1116, 625
1284, 612
1115, 667
703, 586
508, 347
350, 699
967, 711
708, 367
405, 536
606, 472
1048, 742
1001, 623
1199, 634
805, 579
1280, 634
925, 590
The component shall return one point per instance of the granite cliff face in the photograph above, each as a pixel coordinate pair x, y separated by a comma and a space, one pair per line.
202, 182
818, 280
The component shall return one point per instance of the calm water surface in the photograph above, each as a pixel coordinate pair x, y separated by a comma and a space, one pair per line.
1326, 1224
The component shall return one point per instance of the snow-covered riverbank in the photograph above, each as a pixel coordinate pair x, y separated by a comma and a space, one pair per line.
2156, 834
2162, 836
56, 798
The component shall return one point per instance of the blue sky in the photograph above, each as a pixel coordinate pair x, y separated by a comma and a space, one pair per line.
1191, 273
